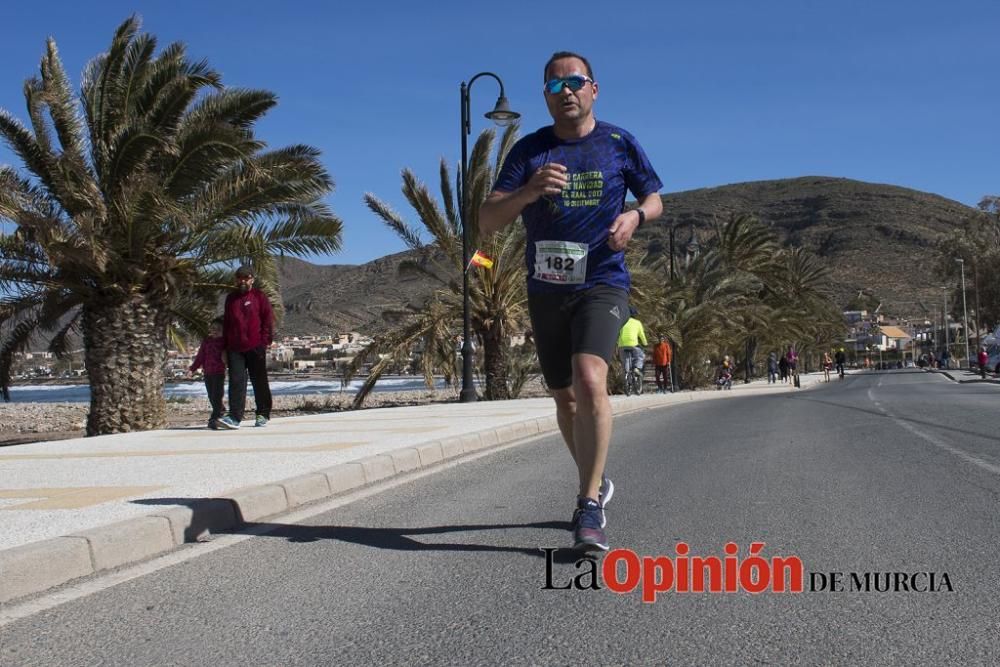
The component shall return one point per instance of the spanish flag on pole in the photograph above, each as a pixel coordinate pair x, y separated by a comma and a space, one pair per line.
479, 258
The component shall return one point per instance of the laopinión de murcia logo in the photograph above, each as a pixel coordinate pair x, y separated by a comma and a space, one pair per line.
623, 571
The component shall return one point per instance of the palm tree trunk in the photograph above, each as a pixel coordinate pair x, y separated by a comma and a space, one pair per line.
751, 352
495, 351
125, 347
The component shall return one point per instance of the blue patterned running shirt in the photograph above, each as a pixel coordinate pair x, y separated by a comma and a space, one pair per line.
567, 234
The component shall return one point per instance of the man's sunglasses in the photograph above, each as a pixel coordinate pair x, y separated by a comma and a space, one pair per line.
574, 83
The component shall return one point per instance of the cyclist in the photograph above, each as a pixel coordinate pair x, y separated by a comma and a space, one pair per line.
724, 376
631, 338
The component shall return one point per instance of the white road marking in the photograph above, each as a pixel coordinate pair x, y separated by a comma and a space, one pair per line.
938, 442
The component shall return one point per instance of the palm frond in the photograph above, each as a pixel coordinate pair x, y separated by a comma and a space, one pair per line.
448, 197
394, 221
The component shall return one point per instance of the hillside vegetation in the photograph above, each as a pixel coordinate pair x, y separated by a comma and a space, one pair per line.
872, 237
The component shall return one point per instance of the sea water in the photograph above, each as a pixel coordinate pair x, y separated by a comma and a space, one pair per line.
80, 393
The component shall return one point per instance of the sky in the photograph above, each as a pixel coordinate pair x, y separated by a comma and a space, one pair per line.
717, 92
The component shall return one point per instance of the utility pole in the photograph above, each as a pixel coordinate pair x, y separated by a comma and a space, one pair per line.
975, 292
965, 315
672, 229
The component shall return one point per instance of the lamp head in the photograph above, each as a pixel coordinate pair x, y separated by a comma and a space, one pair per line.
501, 114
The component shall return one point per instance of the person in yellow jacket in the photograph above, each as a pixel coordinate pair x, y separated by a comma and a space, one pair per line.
631, 340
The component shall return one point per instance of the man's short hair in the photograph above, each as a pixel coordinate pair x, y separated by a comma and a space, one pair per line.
559, 55
245, 271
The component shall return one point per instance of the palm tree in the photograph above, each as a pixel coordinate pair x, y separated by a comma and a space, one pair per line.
743, 291
126, 229
804, 312
750, 249
977, 241
497, 295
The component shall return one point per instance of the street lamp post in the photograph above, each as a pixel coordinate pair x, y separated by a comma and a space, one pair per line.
944, 320
501, 115
965, 315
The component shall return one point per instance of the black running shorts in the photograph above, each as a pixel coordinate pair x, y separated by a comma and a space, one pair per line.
568, 323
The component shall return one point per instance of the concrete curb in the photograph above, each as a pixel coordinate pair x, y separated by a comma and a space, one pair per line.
37, 567
974, 380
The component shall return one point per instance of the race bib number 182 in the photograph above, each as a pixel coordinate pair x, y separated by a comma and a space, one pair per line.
560, 262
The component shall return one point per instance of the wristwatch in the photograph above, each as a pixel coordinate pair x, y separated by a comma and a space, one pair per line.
642, 216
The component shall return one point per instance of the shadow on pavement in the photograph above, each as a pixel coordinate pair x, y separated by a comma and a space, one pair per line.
403, 539
218, 516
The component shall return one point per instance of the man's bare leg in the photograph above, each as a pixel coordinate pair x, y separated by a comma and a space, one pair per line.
591, 422
565, 414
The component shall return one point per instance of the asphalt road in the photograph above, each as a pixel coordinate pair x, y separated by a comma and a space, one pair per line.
879, 473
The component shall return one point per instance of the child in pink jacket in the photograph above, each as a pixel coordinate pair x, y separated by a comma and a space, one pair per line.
212, 357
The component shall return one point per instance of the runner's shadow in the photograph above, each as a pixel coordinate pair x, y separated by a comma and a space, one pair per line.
219, 516
403, 539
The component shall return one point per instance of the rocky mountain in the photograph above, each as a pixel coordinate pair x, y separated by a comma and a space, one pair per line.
877, 238
342, 298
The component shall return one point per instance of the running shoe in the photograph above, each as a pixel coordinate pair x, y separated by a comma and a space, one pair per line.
229, 422
588, 535
260, 421
606, 491
604, 494
213, 424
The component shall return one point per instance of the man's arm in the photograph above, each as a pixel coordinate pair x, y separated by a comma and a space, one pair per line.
621, 230
502, 208
267, 319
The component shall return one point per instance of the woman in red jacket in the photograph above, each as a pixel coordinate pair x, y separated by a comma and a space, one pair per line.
249, 330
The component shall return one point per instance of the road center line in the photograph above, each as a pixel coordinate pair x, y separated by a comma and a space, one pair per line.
935, 440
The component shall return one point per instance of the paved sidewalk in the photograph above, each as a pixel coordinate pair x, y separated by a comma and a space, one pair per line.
74, 507
964, 375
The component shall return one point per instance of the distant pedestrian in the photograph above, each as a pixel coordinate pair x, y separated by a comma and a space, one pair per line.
662, 356
783, 368
211, 358
984, 359
249, 330
827, 366
793, 365
772, 368
945, 359
840, 358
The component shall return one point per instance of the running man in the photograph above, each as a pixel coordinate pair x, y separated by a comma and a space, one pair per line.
568, 182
